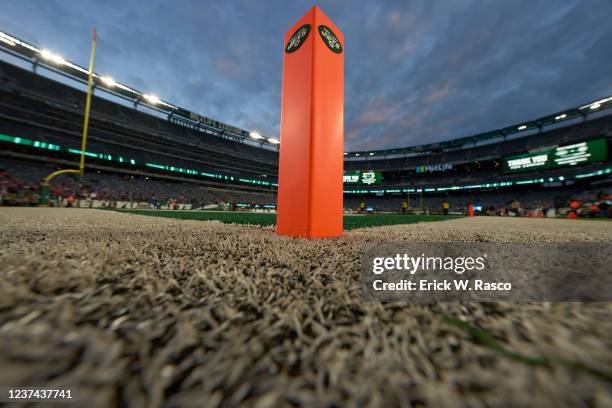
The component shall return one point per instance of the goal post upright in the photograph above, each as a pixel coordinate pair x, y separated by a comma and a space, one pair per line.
88, 101
81, 169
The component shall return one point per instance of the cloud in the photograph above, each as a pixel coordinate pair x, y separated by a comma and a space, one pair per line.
227, 66
415, 72
377, 111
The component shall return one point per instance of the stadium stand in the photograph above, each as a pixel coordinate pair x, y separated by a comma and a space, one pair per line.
19, 183
39, 108
576, 132
153, 156
497, 201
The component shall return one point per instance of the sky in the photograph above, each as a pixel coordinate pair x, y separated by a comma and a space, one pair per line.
415, 71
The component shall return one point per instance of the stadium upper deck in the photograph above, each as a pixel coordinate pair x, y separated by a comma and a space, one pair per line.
40, 110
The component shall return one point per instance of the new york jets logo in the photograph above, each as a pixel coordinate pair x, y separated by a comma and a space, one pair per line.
330, 39
298, 38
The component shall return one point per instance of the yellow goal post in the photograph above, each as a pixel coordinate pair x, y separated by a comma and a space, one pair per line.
81, 169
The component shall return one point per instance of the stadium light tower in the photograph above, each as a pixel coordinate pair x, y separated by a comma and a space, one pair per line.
312, 129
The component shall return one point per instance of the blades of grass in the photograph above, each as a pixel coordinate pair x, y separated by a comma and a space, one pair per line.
543, 361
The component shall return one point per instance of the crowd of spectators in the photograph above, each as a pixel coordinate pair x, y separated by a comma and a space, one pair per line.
543, 203
21, 185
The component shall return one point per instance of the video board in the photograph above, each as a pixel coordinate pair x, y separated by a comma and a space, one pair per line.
362, 177
570, 155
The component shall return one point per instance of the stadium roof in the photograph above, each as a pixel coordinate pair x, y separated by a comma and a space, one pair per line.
54, 62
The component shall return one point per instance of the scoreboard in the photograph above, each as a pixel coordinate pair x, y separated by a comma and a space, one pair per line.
570, 155
362, 177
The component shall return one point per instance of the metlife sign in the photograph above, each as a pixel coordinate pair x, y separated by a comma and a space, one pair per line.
432, 168
570, 155
362, 177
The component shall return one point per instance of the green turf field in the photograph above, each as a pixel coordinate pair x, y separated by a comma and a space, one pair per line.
350, 221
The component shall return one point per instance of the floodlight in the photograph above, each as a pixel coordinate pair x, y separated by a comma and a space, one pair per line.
522, 127
597, 104
151, 98
562, 116
256, 135
273, 141
108, 81
49, 56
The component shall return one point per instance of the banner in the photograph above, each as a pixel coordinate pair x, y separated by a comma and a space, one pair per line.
570, 155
